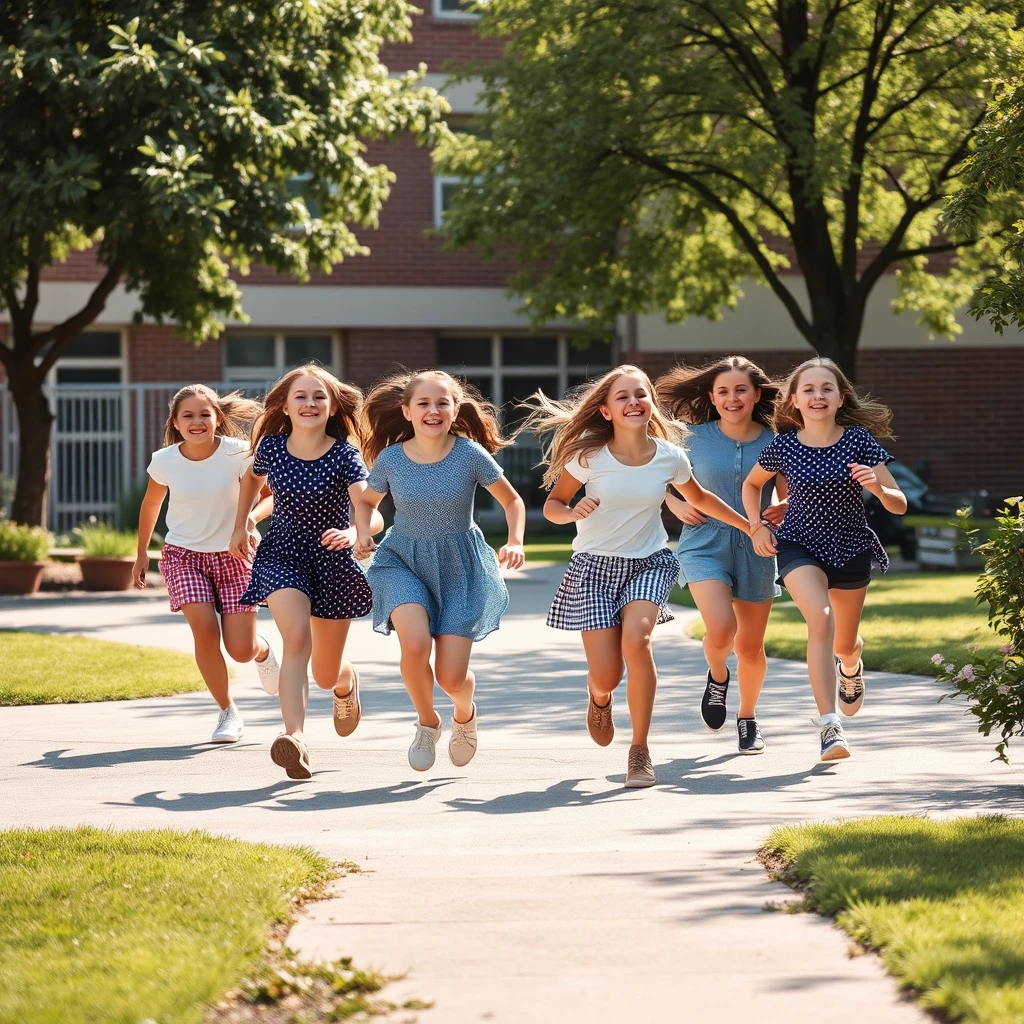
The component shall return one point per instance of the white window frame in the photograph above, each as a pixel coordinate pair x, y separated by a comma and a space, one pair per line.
440, 180
100, 363
453, 15
246, 374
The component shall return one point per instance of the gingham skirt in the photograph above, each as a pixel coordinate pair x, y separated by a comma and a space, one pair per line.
595, 589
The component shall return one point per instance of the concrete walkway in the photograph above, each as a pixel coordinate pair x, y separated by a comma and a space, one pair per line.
529, 887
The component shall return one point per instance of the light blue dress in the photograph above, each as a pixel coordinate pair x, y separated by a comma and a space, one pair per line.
713, 550
435, 555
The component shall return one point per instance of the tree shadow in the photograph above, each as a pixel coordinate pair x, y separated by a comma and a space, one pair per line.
135, 755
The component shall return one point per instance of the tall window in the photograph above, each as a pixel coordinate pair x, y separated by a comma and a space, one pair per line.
262, 357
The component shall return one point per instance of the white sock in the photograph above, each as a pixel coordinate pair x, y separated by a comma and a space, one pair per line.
829, 719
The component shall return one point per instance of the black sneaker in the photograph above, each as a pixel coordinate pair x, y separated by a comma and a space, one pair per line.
712, 704
850, 689
750, 739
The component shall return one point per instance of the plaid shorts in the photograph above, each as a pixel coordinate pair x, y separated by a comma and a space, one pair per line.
595, 589
215, 577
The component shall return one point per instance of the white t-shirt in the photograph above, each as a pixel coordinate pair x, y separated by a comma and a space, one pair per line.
203, 495
627, 523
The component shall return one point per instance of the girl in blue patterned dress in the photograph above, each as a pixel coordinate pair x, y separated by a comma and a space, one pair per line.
728, 406
303, 569
611, 438
827, 453
430, 442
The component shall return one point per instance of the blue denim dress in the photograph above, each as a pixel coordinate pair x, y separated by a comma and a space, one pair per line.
713, 550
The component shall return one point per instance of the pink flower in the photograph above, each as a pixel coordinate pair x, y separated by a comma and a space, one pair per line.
1002, 690
966, 674
972, 646
1006, 649
937, 659
949, 668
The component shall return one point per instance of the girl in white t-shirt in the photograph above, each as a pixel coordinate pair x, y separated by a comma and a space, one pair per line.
611, 438
205, 456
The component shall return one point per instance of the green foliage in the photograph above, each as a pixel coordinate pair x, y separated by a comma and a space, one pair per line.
648, 158
19, 543
132, 926
101, 540
993, 681
129, 505
943, 903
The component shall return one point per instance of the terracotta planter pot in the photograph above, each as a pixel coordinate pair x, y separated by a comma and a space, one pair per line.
20, 577
106, 573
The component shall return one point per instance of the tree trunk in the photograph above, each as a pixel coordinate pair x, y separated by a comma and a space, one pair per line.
35, 424
837, 321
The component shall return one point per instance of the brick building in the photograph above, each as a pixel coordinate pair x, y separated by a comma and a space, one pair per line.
410, 303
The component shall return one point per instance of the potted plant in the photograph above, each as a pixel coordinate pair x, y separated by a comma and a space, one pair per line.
107, 556
23, 551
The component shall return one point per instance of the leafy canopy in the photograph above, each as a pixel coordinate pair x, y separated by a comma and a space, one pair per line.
649, 155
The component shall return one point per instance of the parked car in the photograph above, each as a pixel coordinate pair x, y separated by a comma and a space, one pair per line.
892, 529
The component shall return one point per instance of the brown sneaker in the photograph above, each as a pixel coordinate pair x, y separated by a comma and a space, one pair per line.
639, 769
291, 753
347, 709
599, 721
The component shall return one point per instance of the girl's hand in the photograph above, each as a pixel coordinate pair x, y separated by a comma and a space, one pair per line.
763, 540
139, 570
583, 508
240, 544
865, 476
687, 514
776, 513
338, 540
512, 556
363, 548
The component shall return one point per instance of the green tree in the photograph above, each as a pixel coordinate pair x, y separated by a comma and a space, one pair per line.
647, 155
167, 135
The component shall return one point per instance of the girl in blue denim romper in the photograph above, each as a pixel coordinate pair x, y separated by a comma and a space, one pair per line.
729, 405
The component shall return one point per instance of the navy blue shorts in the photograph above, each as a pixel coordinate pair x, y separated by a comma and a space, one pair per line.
856, 573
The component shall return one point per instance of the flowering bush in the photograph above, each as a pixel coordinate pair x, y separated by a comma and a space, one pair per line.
994, 683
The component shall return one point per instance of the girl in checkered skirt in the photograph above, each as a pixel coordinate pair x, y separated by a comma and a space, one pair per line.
611, 438
205, 455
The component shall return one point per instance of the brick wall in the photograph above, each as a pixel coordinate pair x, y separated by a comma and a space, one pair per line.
372, 353
944, 407
440, 42
157, 354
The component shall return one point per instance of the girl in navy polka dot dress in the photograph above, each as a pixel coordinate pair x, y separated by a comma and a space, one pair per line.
303, 569
827, 453
430, 442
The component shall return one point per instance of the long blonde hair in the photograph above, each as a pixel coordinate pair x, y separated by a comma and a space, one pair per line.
576, 426
346, 401
686, 390
856, 410
235, 412
384, 422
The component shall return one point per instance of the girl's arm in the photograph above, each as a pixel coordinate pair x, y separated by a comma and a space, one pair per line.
879, 481
264, 507
511, 556
366, 516
776, 511
334, 539
556, 508
683, 510
149, 512
249, 487
710, 504
762, 538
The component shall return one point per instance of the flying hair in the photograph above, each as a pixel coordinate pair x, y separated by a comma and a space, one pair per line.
235, 413
686, 390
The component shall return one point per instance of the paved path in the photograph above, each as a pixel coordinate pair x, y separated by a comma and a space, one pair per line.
530, 887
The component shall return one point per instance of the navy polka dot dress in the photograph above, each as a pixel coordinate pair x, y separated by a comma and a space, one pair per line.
310, 496
826, 510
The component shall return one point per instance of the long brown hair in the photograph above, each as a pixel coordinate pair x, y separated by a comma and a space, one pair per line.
385, 424
856, 410
686, 390
576, 426
346, 403
235, 413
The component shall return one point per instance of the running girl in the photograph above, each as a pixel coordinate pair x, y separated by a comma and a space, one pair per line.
827, 453
728, 404
430, 442
612, 438
203, 458
303, 569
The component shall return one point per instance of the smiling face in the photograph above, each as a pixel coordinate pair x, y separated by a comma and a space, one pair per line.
308, 405
734, 396
816, 395
431, 410
196, 419
629, 403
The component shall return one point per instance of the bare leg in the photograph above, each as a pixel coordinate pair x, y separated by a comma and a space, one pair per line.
603, 648
240, 638
329, 670
290, 609
848, 606
451, 666
751, 664
808, 586
638, 621
412, 624
202, 620
714, 602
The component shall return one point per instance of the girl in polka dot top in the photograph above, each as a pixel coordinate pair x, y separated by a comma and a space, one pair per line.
827, 453
303, 569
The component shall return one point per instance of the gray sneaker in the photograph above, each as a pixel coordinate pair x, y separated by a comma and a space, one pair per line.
421, 753
850, 689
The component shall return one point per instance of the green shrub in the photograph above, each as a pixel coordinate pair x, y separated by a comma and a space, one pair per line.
20, 543
101, 540
130, 504
993, 684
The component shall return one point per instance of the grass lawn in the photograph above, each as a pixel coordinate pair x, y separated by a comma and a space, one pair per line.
41, 668
907, 618
124, 927
943, 902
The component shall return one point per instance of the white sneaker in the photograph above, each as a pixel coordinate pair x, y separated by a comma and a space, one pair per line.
421, 753
229, 726
462, 745
269, 669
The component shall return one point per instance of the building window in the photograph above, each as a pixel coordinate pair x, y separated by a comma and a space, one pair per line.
262, 357
445, 189
461, 10
93, 357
